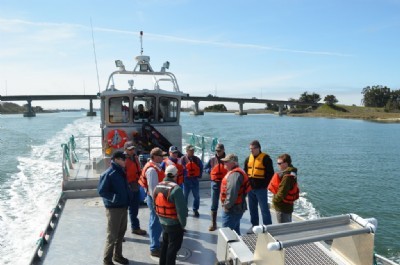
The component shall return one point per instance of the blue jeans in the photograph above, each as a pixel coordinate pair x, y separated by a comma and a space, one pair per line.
255, 197
155, 227
215, 190
232, 220
134, 210
192, 184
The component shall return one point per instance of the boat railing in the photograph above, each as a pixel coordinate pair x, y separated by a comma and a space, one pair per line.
47, 232
352, 239
202, 144
70, 156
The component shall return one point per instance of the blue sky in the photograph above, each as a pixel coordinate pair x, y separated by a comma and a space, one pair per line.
265, 49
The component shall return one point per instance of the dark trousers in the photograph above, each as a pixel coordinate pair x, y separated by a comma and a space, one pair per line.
172, 242
134, 210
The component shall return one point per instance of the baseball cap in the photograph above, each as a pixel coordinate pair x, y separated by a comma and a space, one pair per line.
129, 145
173, 149
230, 158
189, 147
171, 170
118, 154
219, 147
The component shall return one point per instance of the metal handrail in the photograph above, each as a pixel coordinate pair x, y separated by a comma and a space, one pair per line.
199, 143
70, 157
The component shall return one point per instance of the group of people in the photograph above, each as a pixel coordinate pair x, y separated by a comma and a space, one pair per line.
231, 185
168, 182
162, 179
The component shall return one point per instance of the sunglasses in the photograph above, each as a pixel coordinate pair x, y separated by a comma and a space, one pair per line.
280, 163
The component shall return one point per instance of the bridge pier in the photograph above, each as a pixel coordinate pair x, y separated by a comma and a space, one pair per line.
29, 112
196, 110
91, 113
241, 112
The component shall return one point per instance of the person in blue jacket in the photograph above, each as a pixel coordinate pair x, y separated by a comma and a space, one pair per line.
113, 188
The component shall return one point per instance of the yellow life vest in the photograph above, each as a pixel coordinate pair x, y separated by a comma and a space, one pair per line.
255, 166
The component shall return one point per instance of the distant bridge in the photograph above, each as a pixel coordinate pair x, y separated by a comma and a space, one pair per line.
30, 98
195, 99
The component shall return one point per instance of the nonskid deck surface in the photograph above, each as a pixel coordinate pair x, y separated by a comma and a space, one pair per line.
80, 235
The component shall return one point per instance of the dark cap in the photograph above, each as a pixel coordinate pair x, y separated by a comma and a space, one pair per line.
219, 147
129, 145
118, 154
173, 149
230, 158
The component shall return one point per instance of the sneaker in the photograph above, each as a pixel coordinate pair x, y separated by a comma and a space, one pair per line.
196, 213
121, 260
155, 253
250, 231
139, 232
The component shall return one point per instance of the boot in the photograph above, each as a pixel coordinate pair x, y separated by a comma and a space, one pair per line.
213, 225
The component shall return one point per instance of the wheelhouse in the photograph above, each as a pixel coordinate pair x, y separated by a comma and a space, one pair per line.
142, 106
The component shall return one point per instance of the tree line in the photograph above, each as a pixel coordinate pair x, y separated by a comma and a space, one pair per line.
381, 97
373, 96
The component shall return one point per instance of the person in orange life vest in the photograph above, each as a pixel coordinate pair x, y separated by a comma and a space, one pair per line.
151, 175
173, 159
193, 170
133, 170
260, 170
114, 190
285, 189
171, 209
215, 167
234, 187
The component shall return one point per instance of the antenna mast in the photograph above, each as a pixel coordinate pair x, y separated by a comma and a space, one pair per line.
95, 57
141, 42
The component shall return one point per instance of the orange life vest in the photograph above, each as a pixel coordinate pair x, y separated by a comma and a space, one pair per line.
179, 166
293, 193
143, 177
132, 169
193, 169
218, 172
164, 207
244, 188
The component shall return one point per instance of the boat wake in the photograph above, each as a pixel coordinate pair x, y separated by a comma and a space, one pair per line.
30, 194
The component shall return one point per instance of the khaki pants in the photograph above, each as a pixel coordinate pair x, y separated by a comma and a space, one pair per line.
116, 227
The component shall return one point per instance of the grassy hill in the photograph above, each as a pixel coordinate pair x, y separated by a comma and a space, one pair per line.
352, 112
7, 108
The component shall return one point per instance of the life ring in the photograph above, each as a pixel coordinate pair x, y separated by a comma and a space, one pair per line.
116, 138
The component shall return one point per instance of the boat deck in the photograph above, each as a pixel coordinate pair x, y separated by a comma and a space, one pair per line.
80, 235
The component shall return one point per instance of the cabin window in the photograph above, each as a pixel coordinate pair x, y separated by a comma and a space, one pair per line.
119, 109
144, 109
168, 109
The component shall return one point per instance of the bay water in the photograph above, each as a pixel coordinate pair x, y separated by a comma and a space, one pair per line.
345, 166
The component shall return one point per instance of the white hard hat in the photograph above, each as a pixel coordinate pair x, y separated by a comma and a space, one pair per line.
171, 169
